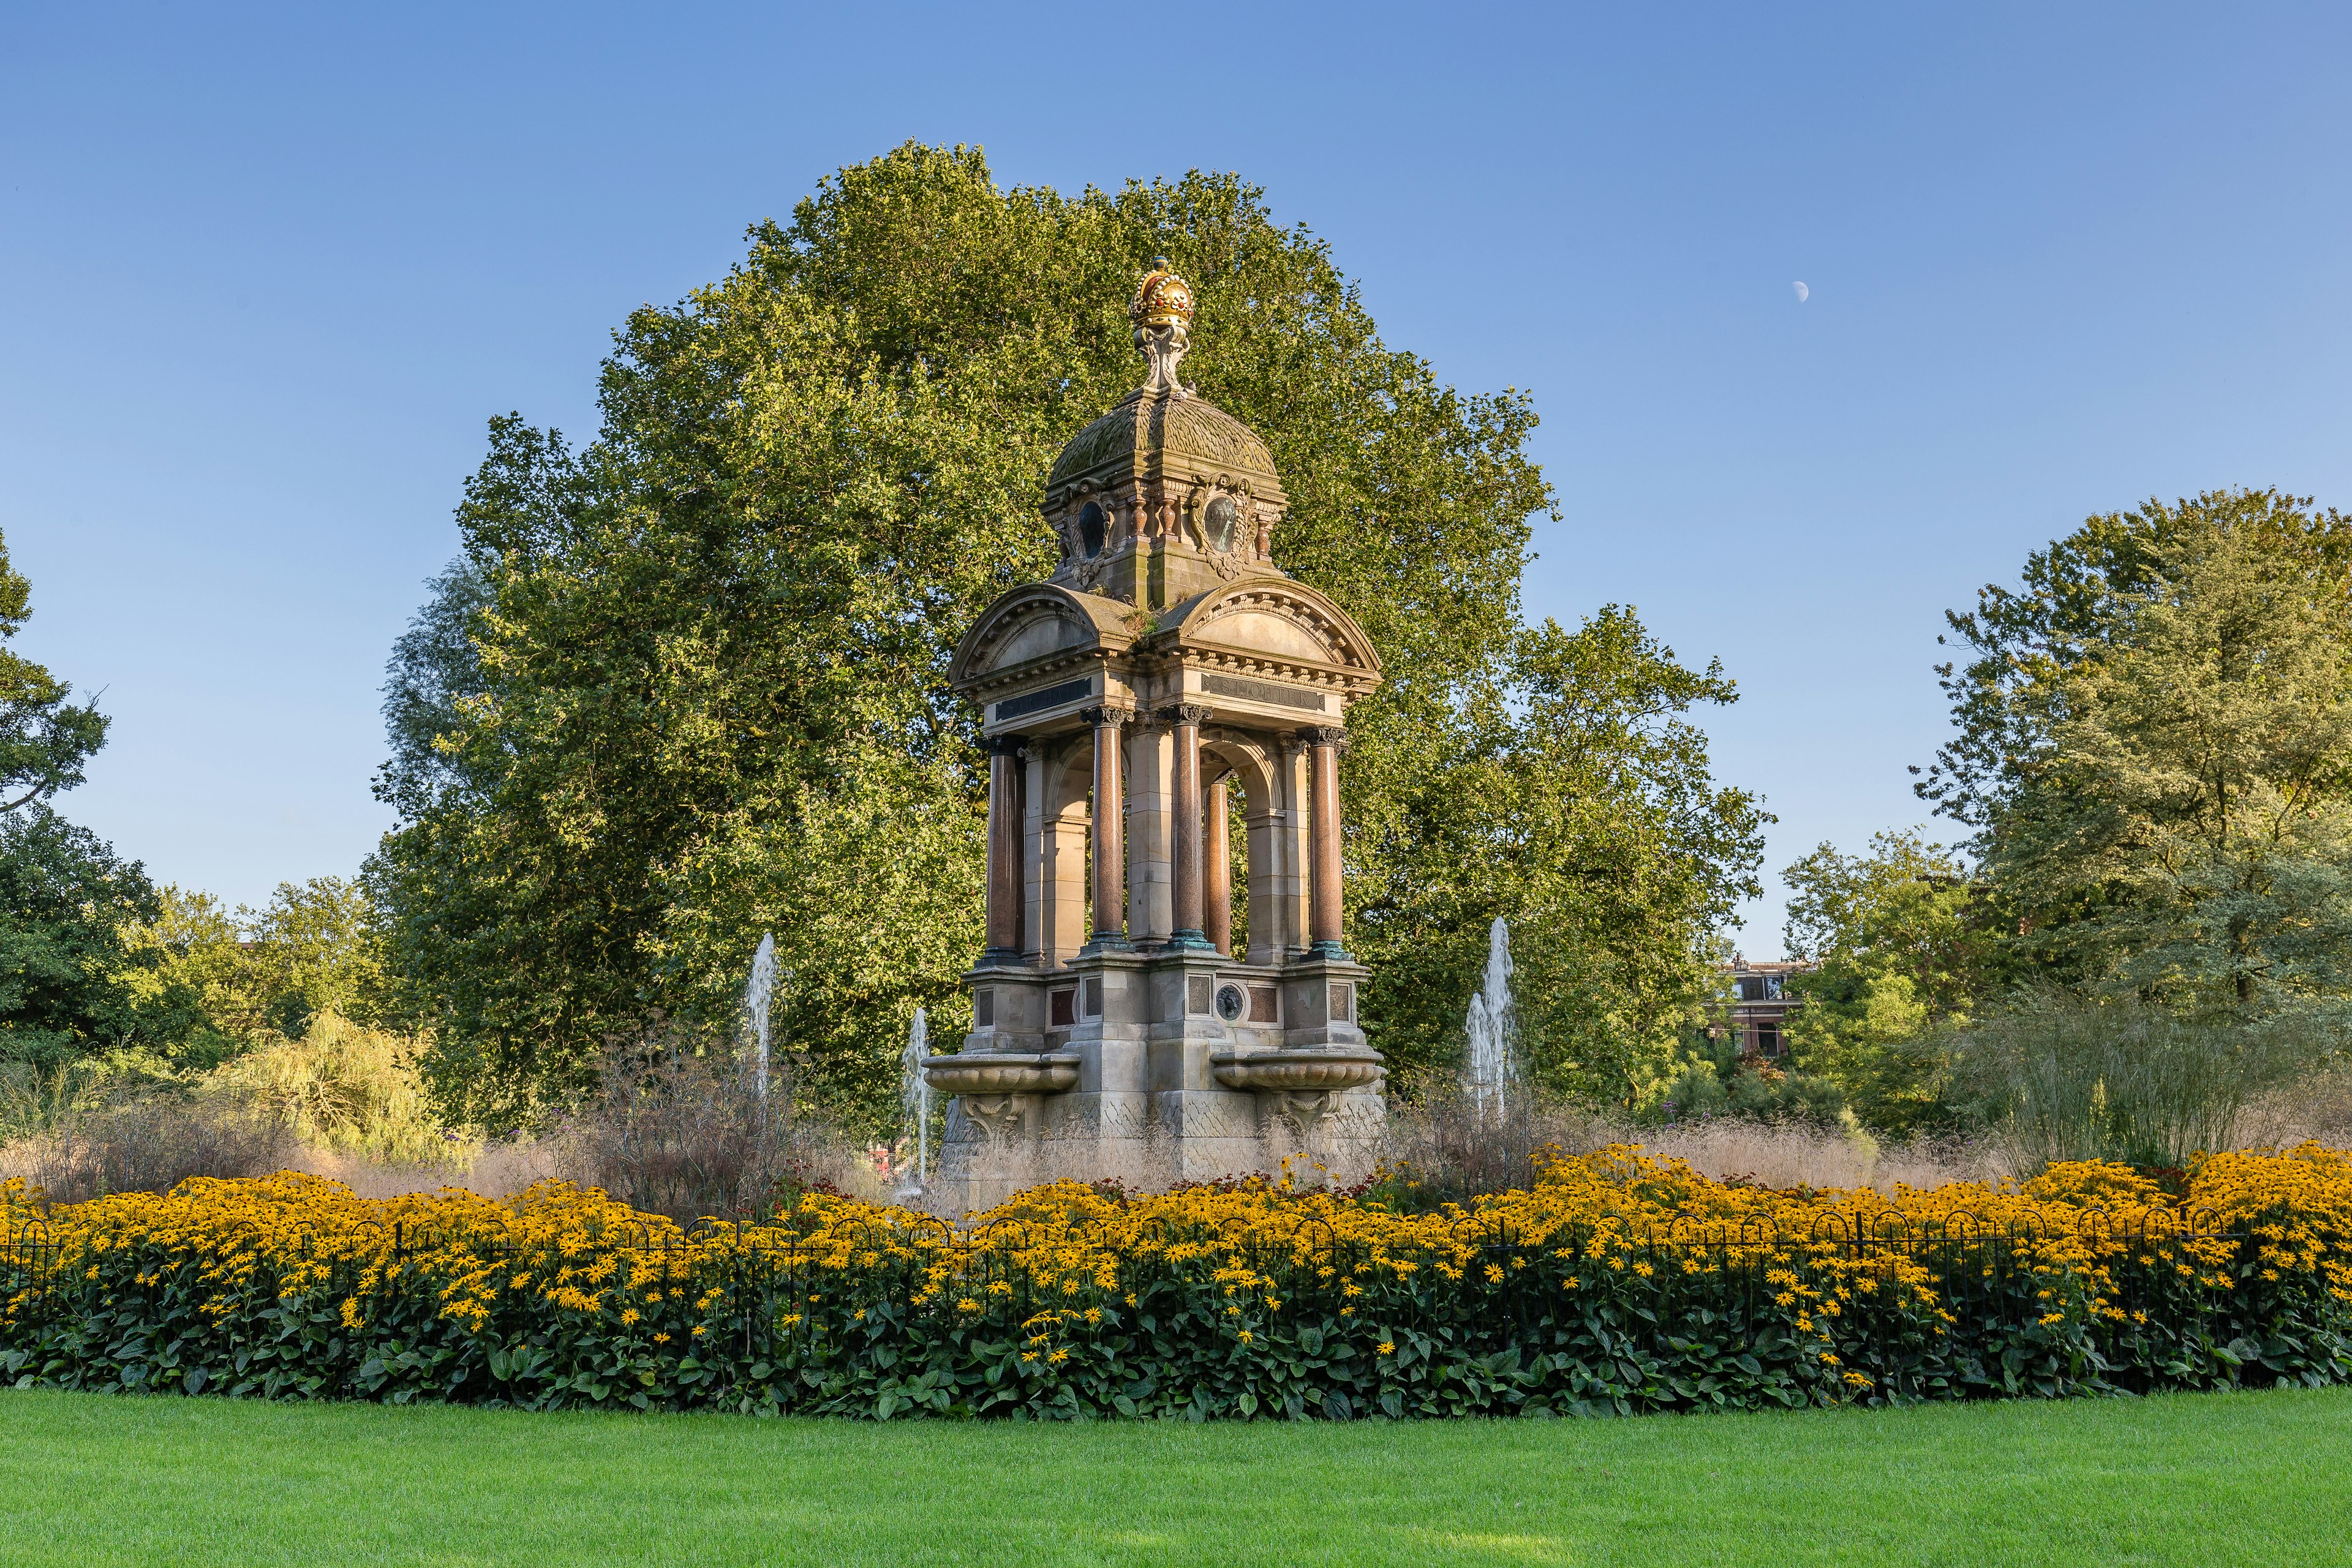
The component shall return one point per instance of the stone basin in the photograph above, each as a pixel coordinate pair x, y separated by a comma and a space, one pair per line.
1007, 1072
1297, 1071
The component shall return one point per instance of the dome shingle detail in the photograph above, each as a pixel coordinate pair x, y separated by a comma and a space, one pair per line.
1163, 435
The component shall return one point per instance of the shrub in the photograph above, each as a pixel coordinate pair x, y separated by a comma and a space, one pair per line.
343, 1087
1618, 1283
2072, 1078
145, 1139
1754, 1090
683, 1135
1440, 1146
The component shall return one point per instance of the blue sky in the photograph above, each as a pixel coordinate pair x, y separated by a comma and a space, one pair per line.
265, 274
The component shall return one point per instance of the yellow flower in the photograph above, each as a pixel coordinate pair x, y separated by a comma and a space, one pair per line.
1388, 1347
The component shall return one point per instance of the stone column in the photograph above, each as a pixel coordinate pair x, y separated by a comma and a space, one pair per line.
1185, 720
1004, 827
1109, 830
1324, 897
1146, 768
1284, 871
1217, 868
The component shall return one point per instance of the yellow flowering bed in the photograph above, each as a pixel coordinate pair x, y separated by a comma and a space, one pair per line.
1619, 1283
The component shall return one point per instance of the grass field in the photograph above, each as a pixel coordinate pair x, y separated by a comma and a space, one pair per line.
2206, 1479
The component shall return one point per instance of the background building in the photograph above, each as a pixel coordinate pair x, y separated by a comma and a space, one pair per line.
1756, 1000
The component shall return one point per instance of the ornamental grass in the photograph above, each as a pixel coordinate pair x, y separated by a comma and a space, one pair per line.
1617, 1283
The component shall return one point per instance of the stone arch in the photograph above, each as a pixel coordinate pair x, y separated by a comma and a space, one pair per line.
1056, 837
1274, 829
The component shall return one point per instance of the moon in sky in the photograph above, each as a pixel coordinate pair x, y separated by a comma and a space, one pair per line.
1803, 293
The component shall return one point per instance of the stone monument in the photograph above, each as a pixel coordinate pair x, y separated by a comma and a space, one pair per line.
1165, 664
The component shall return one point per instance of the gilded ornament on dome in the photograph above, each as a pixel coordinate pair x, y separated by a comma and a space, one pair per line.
1162, 300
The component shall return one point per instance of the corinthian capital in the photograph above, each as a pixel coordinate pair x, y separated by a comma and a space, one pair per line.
1106, 718
1185, 713
1325, 736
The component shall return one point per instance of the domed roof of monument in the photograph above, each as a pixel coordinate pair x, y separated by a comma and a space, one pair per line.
1164, 427
1162, 433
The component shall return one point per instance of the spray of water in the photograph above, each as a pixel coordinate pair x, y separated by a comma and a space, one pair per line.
756, 996
1490, 1077
915, 1098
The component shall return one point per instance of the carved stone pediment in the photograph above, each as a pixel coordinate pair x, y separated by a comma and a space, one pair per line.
1037, 626
1277, 622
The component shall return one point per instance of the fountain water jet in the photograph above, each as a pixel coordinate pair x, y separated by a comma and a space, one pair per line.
756, 995
1491, 1075
914, 1101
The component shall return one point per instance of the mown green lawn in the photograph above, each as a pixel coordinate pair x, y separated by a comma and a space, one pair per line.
2208, 1479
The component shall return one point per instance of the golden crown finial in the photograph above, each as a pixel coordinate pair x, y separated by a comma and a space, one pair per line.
1162, 313
1162, 298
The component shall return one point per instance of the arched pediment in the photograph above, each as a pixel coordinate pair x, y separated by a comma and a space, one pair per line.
1278, 621
1040, 622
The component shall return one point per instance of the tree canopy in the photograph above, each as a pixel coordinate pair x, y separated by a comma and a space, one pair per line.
68, 907
1896, 948
2155, 745
45, 736
688, 682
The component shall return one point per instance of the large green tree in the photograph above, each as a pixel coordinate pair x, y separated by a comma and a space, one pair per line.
45, 737
73, 982
1897, 946
688, 682
2155, 745
1571, 796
